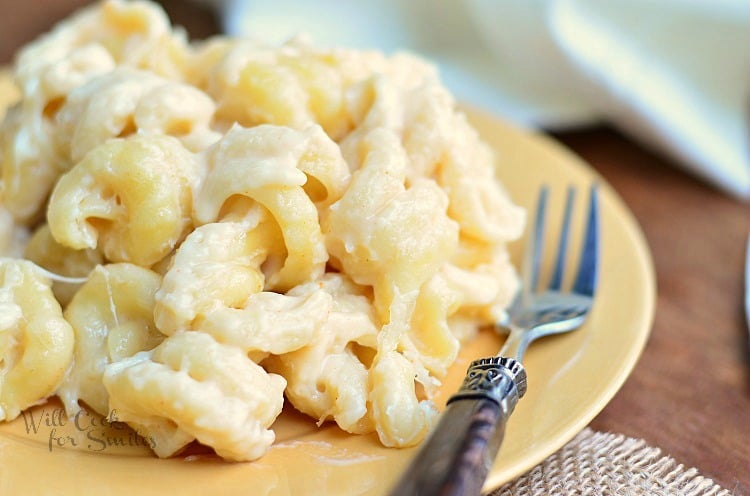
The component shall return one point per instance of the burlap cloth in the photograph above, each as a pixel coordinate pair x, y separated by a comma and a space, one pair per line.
597, 463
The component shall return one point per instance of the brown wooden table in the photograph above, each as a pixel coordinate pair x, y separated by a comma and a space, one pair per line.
690, 392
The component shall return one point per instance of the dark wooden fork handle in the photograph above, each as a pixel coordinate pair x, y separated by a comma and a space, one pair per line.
456, 458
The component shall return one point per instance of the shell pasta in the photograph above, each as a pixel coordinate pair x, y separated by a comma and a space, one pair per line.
193, 234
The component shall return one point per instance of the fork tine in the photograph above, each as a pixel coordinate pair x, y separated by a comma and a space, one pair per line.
555, 283
586, 278
533, 255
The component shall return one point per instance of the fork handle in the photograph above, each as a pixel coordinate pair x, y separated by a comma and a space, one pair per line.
458, 454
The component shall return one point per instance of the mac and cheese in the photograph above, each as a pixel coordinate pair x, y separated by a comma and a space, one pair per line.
230, 225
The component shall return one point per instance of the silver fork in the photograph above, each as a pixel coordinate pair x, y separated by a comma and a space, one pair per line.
456, 457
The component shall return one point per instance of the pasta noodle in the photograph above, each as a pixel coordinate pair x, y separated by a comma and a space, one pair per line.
328, 377
112, 317
207, 230
191, 387
131, 195
36, 343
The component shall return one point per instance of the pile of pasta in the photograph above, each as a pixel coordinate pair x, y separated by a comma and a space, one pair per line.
194, 231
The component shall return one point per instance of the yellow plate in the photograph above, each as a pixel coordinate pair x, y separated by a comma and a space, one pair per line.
571, 378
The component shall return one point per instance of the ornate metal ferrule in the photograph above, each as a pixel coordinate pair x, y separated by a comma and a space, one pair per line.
500, 379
